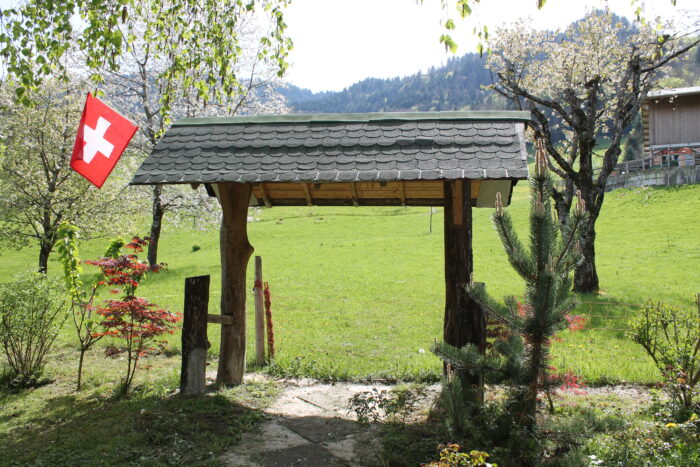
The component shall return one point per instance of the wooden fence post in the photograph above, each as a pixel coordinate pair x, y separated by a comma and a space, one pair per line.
194, 336
259, 314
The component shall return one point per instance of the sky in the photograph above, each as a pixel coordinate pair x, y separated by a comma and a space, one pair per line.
340, 42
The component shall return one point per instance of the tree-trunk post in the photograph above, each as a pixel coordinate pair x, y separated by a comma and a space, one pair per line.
194, 336
464, 320
235, 253
259, 314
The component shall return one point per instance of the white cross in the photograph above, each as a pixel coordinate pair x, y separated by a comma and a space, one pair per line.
94, 140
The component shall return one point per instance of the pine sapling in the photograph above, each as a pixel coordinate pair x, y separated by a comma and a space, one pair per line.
520, 357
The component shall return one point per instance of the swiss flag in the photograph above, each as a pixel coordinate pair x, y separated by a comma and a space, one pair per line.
103, 135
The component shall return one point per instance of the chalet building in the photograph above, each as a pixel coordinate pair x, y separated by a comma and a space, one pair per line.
671, 119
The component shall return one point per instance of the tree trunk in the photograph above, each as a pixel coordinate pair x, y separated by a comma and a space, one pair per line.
235, 253
156, 224
45, 247
585, 275
563, 200
465, 322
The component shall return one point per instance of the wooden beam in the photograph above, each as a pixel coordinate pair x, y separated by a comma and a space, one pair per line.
402, 194
194, 336
465, 322
353, 190
307, 194
235, 253
219, 319
264, 196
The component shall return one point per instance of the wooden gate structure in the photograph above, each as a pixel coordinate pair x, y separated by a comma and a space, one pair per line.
457, 160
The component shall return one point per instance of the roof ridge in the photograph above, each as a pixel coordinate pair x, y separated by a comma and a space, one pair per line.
486, 115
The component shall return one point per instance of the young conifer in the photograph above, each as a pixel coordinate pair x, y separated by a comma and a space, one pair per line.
519, 357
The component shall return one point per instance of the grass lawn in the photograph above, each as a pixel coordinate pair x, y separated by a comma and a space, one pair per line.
55, 425
358, 292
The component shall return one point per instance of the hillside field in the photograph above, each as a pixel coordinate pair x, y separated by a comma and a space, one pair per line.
358, 292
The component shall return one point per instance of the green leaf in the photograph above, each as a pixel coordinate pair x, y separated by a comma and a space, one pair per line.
450, 44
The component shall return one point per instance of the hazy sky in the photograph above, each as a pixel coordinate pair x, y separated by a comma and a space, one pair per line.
339, 42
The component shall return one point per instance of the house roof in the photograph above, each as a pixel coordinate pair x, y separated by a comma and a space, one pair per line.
673, 92
340, 148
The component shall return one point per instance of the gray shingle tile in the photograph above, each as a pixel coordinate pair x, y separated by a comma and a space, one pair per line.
352, 150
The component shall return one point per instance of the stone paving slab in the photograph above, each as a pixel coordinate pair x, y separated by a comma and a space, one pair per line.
319, 429
309, 425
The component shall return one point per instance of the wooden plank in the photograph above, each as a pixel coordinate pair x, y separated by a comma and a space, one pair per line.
235, 253
266, 200
194, 336
219, 319
307, 194
259, 314
353, 189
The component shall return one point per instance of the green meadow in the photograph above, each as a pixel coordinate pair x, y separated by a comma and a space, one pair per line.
357, 293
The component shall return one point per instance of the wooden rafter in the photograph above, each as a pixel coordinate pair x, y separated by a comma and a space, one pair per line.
354, 194
266, 200
307, 194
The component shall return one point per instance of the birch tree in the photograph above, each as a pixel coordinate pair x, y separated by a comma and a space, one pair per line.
146, 92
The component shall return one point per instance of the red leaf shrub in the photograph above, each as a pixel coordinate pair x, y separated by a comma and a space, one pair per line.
133, 319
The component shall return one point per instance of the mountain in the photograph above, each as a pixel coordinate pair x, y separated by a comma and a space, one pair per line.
457, 85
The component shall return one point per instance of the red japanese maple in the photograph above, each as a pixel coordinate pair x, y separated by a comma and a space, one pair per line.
135, 320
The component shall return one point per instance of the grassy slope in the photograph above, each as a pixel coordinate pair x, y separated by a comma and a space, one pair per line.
358, 292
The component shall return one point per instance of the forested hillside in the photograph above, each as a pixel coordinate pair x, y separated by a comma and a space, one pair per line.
455, 86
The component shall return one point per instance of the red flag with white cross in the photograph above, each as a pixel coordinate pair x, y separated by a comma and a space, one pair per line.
103, 135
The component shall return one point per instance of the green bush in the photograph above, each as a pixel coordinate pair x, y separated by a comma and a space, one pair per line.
32, 311
671, 337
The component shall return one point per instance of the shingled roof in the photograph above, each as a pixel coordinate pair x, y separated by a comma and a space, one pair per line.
340, 148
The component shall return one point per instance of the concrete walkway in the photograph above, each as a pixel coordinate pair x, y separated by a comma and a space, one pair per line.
310, 425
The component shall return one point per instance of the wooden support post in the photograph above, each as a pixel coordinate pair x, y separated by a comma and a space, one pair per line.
464, 320
194, 336
402, 194
259, 314
266, 200
354, 194
235, 253
307, 194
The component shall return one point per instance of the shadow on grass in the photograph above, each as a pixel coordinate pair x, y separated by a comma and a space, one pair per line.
146, 430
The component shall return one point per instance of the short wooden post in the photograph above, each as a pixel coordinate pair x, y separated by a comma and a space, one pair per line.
259, 314
194, 336
235, 253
